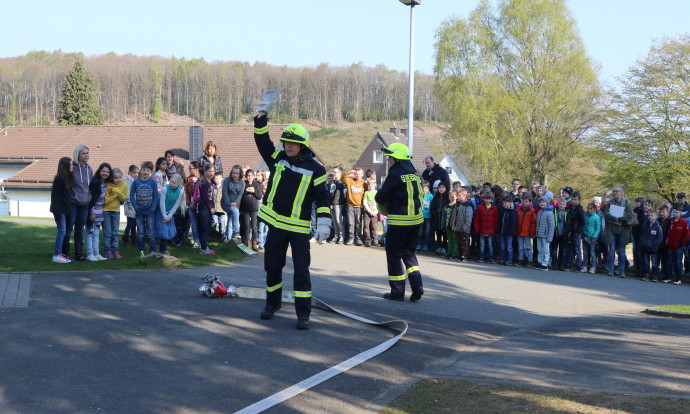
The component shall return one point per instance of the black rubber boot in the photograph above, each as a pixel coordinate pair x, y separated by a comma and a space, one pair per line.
269, 311
389, 296
303, 323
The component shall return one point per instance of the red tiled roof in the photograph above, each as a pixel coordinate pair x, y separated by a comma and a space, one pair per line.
120, 146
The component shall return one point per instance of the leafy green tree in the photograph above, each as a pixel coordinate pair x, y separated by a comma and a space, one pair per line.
648, 128
79, 104
517, 87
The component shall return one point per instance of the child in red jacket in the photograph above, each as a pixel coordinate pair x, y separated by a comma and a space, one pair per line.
525, 230
678, 235
485, 224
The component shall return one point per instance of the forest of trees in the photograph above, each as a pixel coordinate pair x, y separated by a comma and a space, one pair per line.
138, 88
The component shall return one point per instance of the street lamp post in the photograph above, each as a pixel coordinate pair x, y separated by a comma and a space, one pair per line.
410, 107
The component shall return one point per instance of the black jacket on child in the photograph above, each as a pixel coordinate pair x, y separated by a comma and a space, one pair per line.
507, 220
438, 210
578, 217
651, 236
250, 201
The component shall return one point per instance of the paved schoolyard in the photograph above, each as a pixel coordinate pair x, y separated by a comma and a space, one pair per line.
145, 341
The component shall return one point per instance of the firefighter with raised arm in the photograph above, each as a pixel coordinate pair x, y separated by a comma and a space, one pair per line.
296, 181
401, 197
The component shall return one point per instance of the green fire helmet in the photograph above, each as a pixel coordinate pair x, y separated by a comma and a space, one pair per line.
295, 133
397, 150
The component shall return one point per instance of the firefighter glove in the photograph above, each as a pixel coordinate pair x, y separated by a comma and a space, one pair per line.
260, 121
323, 229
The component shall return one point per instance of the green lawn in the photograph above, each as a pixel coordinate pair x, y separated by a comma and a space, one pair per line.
29, 248
674, 308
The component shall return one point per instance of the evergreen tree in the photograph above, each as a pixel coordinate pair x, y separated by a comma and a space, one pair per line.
79, 104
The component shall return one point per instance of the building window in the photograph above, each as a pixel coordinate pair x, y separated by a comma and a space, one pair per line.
378, 157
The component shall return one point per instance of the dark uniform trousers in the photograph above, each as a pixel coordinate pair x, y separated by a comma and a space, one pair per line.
276, 245
400, 250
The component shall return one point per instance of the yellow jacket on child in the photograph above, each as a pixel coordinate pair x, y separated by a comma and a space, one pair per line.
115, 195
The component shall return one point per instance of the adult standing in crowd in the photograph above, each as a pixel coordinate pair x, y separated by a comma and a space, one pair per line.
435, 172
174, 167
211, 157
400, 195
618, 213
79, 196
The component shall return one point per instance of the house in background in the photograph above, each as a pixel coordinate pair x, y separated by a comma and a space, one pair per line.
29, 155
454, 171
372, 157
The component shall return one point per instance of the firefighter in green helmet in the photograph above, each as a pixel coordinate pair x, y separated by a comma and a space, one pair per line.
401, 197
296, 181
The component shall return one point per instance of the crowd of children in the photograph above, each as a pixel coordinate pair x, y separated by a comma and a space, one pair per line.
160, 205
532, 228
522, 227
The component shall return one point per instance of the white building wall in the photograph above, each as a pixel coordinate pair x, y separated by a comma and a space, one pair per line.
36, 203
8, 170
27, 203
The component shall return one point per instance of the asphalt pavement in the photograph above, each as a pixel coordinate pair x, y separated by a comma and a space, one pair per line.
147, 342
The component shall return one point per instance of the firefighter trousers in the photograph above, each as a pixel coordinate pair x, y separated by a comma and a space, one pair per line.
402, 260
276, 246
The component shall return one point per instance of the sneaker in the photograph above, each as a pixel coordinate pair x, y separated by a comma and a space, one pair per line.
141, 253
312, 240
654, 280
337, 241
493, 262
61, 259
91, 258
207, 251
425, 249
167, 253
592, 270
677, 282
583, 269
109, 256
419, 247
367, 244
235, 236
480, 260
99, 257
665, 280
464, 260
358, 243
644, 278
117, 255
350, 242
198, 246
507, 263
545, 268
